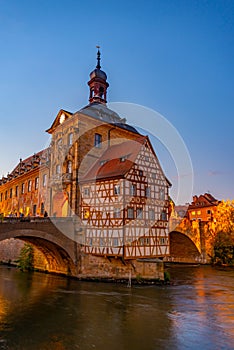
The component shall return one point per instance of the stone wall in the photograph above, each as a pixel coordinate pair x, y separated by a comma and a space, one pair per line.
116, 268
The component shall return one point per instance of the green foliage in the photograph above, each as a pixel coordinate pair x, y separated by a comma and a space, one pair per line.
167, 276
26, 258
223, 249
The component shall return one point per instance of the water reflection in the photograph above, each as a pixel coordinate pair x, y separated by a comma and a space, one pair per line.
39, 311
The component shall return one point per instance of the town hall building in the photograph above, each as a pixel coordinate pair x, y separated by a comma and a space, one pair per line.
100, 170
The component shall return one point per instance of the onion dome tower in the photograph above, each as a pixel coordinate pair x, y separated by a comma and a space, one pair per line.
97, 83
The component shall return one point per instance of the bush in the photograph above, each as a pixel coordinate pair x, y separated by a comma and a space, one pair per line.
26, 258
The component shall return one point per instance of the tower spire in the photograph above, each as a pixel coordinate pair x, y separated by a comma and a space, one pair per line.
98, 66
97, 83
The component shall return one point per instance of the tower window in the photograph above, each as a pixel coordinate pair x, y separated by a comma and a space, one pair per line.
98, 141
101, 91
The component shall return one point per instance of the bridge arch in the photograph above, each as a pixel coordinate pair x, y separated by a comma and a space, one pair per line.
183, 249
58, 250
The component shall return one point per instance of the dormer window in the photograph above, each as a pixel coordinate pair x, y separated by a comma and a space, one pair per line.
123, 158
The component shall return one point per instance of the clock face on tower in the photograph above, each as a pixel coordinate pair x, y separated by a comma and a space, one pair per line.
62, 118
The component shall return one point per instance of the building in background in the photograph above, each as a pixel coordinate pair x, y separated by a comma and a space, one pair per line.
202, 208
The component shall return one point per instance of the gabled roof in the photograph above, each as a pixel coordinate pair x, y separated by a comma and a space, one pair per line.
116, 161
204, 200
57, 122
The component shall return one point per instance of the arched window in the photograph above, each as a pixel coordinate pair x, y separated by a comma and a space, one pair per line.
69, 166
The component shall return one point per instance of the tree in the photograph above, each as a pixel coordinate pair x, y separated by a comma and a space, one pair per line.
223, 249
223, 237
224, 217
26, 258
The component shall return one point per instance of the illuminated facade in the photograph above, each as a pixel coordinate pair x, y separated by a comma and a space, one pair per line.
101, 170
202, 208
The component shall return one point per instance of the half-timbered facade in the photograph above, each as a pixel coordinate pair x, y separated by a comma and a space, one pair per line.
125, 203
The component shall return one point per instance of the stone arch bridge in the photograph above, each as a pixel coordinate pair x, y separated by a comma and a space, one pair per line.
61, 251
64, 255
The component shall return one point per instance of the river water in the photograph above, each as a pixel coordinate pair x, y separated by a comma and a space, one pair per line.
46, 312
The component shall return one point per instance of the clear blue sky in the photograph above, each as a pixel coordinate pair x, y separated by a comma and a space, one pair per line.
176, 57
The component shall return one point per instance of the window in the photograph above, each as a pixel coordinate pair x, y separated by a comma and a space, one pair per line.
86, 213
162, 194
139, 213
130, 213
11, 193
163, 215
22, 188
147, 192
153, 175
117, 189
44, 180
146, 158
34, 210
193, 213
1, 197
144, 241
101, 242
36, 183
42, 208
16, 191
86, 191
208, 211
151, 214
115, 242
60, 142
117, 213
29, 185
5, 195
133, 190
199, 212
69, 167
123, 158
70, 139
98, 141
140, 173
162, 240
58, 169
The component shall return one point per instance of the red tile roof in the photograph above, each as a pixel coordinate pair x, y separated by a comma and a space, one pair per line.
116, 161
